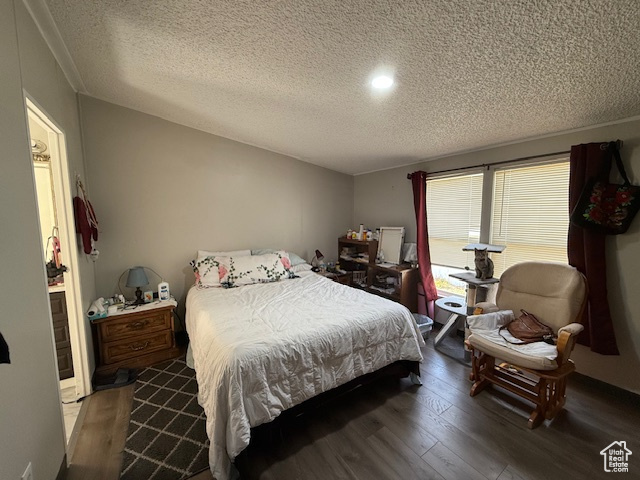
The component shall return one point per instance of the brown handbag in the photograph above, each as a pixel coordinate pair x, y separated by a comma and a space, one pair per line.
529, 329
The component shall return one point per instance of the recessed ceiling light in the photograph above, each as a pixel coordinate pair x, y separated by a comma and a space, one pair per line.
382, 82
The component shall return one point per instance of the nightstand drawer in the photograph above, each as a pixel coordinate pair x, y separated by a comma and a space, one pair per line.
125, 327
133, 347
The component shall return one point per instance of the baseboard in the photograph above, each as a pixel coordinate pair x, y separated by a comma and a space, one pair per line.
67, 382
619, 393
62, 473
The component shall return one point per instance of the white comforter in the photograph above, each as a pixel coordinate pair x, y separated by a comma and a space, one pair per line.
260, 349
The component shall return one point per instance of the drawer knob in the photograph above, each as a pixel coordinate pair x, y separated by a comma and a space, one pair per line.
139, 346
137, 325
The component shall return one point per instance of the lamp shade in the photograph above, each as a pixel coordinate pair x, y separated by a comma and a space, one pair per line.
410, 252
319, 255
137, 277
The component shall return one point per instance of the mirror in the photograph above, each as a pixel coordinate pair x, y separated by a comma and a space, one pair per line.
390, 244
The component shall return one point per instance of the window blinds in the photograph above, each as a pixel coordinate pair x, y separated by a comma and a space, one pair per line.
453, 218
530, 214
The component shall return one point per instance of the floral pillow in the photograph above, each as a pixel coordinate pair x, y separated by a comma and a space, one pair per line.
245, 270
208, 270
233, 271
205, 266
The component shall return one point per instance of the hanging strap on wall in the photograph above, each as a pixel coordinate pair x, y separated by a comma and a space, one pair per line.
86, 220
91, 216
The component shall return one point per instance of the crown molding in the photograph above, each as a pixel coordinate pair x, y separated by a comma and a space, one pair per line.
51, 35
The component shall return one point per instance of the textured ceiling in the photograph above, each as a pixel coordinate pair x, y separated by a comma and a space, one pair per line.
292, 76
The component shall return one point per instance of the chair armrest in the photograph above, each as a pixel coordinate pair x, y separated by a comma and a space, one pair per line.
567, 337
572, 329
487, 307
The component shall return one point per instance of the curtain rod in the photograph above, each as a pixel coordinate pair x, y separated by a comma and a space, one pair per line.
531, 157
619, 144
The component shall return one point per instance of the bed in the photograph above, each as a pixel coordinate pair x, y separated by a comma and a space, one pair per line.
261, 349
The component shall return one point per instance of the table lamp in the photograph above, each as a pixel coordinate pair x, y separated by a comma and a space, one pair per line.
411, 254
137, 278
315, 262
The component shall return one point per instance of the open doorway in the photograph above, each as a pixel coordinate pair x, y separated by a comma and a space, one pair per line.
54, 191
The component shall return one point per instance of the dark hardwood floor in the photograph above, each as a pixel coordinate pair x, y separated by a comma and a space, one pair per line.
392, 429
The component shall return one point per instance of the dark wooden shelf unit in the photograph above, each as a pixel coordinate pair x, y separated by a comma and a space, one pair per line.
403, 288
360, 247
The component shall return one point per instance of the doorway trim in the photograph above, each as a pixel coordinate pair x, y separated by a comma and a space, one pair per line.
63, 189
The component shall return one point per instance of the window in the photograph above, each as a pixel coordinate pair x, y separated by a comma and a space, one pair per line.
525, 207
454, 207
530, 214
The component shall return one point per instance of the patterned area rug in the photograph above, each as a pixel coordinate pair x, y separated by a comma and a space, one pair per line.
166, 438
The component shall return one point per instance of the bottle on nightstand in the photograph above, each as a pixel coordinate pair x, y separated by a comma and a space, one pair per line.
163, 291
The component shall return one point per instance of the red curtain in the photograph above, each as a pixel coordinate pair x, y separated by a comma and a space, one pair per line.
419, 182
586, 250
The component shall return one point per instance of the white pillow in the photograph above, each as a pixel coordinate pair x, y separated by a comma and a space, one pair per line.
489, 321
302, 267
246, 270
295, 259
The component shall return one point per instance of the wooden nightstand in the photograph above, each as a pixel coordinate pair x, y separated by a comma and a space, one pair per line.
135, 339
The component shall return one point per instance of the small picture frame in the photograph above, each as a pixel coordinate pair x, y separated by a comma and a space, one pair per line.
148, 296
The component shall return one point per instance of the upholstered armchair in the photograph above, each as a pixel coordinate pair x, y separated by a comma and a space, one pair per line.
556, 294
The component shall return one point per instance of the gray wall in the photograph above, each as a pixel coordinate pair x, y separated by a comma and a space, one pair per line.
162, 191
30, 412
385, 198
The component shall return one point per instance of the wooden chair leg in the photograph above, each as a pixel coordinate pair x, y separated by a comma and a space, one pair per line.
543, 392
474, 364
553, 399
558, 397
535, 419
562, 392
478, 386
483, 366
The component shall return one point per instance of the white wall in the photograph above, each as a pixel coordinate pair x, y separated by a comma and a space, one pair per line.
30, 412
162, 191
30, 418
386, 198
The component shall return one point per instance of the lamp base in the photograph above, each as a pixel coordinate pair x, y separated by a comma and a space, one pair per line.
139, 300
